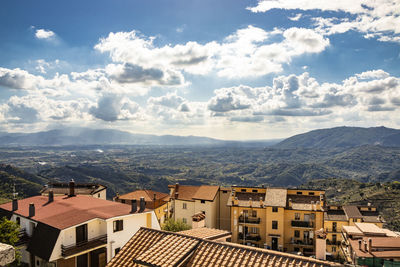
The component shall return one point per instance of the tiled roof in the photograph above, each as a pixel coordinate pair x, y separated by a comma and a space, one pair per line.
143, 240
370, 228
66, 211
206, 233
198, 216
351, 230
382, 247
172, 249
206, 192
275, 197
244, 199
335, 215
352, 212
186, 192
147, 194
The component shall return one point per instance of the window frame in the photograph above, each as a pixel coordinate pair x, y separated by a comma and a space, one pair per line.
118, 225
274, 225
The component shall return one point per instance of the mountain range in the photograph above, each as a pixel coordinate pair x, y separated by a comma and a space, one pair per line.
339, 137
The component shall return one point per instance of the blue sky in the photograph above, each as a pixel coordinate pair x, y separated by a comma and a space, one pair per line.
224, 69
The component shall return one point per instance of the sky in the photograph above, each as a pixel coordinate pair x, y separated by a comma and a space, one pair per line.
227, 69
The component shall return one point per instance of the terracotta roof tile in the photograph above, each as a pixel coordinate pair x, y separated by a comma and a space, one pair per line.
352, 212
174, 248
147, 194
206, 233
206, 192
66, 211
275, 197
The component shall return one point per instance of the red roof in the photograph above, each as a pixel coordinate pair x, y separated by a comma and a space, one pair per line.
66, 211
147, 194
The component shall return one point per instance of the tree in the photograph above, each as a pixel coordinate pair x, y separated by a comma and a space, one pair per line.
9, 231
175, 226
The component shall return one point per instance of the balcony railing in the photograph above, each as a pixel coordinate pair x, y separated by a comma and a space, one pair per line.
332, 230
333, 243
23, 237
303, 224
302, 242
243, 219
253, 237
84, 245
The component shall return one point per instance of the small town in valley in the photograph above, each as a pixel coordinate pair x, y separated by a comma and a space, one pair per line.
72, 224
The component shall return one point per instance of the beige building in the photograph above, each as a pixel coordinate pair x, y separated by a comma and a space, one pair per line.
187, 201
86, 189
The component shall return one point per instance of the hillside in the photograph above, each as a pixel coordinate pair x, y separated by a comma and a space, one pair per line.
343, 137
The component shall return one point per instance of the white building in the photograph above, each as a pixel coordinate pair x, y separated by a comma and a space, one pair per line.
75, 230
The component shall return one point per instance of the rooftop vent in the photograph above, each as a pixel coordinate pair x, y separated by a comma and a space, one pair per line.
71, 188
14, 204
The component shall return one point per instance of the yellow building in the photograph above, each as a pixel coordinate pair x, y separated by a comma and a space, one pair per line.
276, 218
187, 201
335, 217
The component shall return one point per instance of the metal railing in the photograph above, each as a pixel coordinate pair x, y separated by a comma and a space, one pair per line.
251, 237
304, 224
23, 237
243, 219
84, 245
303, 242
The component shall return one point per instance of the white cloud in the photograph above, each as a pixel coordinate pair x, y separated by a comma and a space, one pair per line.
247, 52
296, 18
44, 34
375, 18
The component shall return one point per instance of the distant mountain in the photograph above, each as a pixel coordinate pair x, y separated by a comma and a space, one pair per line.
343, 137
86, 136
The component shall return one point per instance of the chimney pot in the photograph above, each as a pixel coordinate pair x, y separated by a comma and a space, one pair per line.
31, 210
51, 196
14, 204
71, 188
133, 206
142, 204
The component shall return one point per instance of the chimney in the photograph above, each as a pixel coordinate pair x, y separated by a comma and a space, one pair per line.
154, 201
71, 188
51, 196
359, 244
251, 202
133, 206
14, 204
142, 204
369, 244
31, 210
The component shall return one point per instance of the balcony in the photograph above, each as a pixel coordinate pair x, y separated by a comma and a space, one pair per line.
250, 237
333, 243
303, 224
331, 230
84, 245
302, 242
243, 219
23, 238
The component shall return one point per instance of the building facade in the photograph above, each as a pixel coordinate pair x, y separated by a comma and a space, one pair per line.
276, 218
74, 230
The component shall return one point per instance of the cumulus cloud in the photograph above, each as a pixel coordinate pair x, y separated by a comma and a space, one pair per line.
246, 52
113, 107
303, 96
18, 79
374, 18
44, 34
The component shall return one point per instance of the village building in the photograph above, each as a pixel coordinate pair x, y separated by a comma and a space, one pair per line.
367, 244
75, 230
187, 202
88, 189
157, 201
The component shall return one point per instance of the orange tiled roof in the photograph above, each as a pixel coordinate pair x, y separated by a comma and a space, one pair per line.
147, 194
190, 192
159, 248
66, 211
206, 192
206, 233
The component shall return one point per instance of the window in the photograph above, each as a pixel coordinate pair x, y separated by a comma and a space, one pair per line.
81, 233
255, 191
18, 220
334, 238
202, 201
333, 249
184, 206
299, 193
296, 233
311, 193
334, 227
123, 201
243, 190
274, 209
254, 213
224, 191
118, 225
254, 230
184, 220
274, 224
297, 216
116, 251
98, 195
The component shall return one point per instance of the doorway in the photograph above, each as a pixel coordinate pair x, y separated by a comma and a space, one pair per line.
274, 243
81, 233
